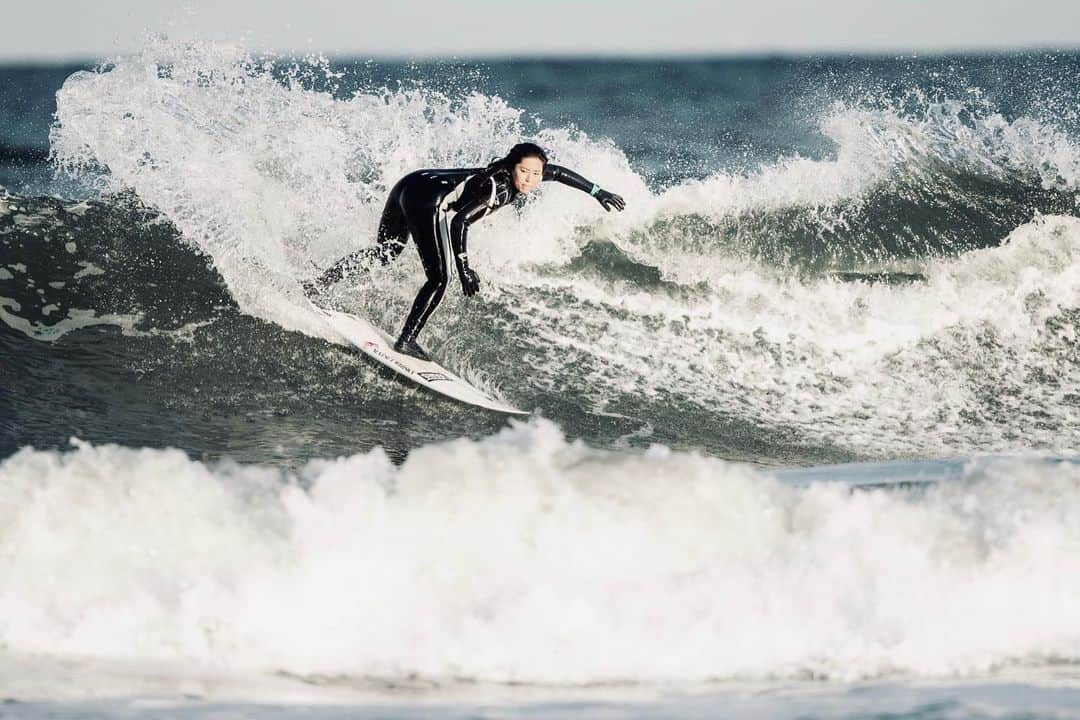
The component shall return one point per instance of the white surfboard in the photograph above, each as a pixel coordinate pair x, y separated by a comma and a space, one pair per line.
379, 346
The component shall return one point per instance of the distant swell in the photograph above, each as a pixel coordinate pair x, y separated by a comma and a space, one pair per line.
903, 185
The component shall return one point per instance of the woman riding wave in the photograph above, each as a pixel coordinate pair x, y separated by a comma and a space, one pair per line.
436, 208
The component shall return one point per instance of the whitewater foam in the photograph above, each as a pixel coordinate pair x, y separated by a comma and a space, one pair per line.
527, 558
911, 368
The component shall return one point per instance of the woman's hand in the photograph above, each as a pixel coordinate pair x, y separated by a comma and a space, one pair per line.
470, 281
610, 200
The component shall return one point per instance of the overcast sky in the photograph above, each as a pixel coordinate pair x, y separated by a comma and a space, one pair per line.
65, 29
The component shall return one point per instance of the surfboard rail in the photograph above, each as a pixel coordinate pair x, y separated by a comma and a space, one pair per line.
379, 346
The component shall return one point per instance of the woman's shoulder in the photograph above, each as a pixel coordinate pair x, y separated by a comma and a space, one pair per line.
502, 190
495, 187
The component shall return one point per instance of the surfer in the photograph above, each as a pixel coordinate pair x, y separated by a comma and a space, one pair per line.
436, 208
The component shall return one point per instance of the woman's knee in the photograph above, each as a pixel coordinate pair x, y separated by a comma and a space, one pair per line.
436, 286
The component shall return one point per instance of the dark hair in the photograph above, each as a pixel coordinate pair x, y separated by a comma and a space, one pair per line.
516, 154
521, 151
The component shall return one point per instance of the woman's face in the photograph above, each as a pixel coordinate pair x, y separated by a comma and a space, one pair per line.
528, 173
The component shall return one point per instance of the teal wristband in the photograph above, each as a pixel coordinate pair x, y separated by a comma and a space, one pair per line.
595, 189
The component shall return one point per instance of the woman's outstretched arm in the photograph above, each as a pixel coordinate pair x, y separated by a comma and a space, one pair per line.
568, 177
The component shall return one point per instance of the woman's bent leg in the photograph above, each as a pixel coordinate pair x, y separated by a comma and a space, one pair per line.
434, 254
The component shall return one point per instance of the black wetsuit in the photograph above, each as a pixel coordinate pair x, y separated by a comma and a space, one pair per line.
436, 208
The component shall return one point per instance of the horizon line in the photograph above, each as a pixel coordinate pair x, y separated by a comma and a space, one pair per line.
623, 56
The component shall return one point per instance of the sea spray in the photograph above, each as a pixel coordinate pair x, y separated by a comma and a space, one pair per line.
524, 557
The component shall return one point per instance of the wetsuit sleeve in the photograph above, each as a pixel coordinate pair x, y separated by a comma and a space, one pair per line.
468, 212
610, 201
567, 177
